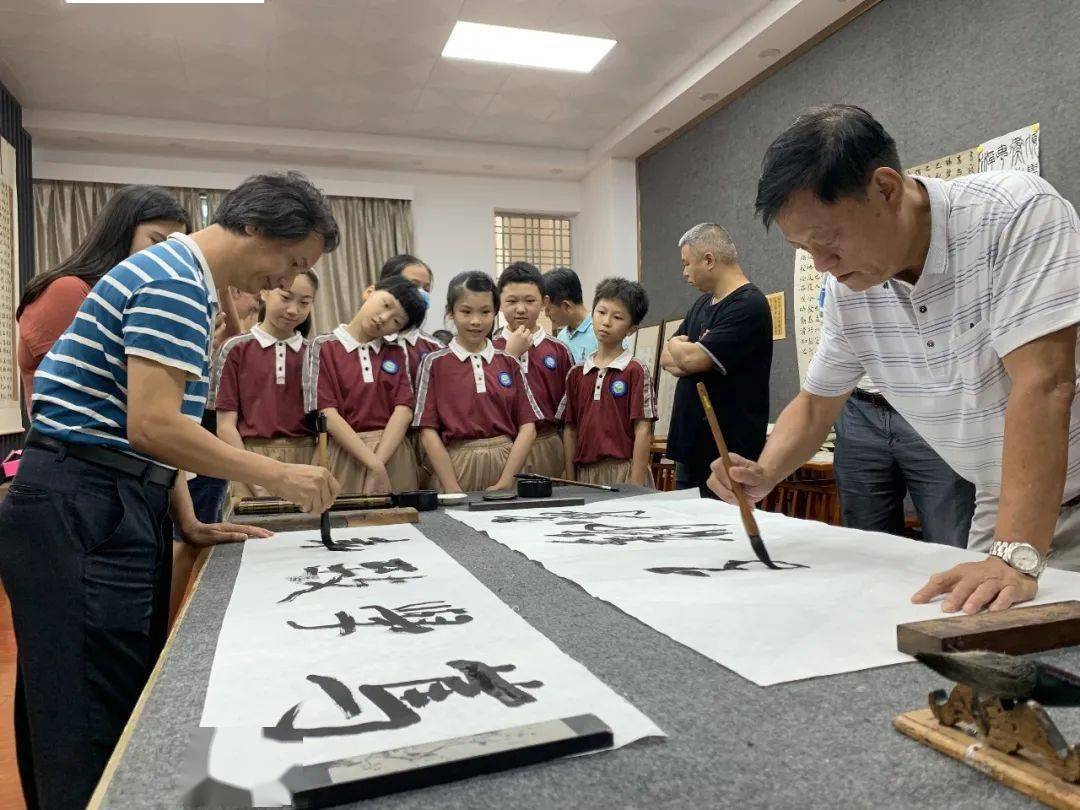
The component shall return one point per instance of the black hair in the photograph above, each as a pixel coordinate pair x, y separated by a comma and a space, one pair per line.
521, 273
395, 266
470, 281
109, 241
305, 326
831, 151
281, 205
629, 293
563, 284
413, 300
444, 336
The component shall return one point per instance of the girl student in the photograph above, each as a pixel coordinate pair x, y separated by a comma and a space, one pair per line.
476, 413
361, 382
258, 380
417, 343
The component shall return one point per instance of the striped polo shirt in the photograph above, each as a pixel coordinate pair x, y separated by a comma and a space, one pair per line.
159, 304
1003, 269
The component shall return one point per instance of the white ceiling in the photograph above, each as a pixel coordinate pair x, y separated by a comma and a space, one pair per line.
369, 66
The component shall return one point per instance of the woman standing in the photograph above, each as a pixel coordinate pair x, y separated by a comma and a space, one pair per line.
134, 218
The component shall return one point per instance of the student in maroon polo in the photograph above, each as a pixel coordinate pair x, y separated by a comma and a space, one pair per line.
361, 382
609, 407
473, 405
544, 360
417, 343
257, 381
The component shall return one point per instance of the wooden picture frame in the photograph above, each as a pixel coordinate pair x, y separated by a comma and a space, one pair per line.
665, 386
646, 349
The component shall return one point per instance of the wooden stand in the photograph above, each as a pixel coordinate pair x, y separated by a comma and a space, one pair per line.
1009, 769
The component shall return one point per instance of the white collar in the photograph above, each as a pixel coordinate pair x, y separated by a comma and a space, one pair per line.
536, 339
196, 251
266, 340
620, 362
410, 337
462, 354
351, 344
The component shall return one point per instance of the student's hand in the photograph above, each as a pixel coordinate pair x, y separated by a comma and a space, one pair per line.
201, 535
377, 481
500, 484
976, 585
679, 339
311, 488
518, 342
639, 480
756, 483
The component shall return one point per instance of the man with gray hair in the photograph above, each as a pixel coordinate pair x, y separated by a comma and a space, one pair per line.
725, 341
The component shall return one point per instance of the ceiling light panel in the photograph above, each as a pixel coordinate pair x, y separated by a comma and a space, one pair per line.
525, 48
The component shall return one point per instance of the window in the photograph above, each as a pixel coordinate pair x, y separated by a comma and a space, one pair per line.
536, 238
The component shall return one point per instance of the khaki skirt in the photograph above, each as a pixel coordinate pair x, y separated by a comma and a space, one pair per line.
610, 471
477, 463
352, 475
546, 456
290, 450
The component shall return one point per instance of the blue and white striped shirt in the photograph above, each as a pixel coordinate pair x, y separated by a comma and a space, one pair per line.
159, 304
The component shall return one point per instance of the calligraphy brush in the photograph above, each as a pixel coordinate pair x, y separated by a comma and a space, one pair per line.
324, 521
745, 509
604, 487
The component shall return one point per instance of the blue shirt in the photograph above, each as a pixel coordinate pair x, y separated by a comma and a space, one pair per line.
159, 304
582, 341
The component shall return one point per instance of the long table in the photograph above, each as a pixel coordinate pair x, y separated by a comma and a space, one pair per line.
817, 743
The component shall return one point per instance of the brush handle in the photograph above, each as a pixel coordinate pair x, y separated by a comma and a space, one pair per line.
320, 426
745, 509
567, 481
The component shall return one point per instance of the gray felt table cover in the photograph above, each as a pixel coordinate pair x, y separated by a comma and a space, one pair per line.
827, 742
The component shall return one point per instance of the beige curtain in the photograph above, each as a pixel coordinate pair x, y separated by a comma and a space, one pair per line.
372, 230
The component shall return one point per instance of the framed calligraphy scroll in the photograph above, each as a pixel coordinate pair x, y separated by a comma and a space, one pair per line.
10, 406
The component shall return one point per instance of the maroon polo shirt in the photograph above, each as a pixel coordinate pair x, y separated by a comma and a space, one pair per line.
548, 363
260, 378
363, 381
419, 345
448, 399
604, 404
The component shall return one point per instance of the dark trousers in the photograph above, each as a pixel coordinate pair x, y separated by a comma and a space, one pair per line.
880, 459
694, 476
84, 561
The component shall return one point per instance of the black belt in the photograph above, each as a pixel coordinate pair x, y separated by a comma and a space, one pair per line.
873, 399
149, 471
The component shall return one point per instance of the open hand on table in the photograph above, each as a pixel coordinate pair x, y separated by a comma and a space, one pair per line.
976, 585
201, 534
500, 484
756, 483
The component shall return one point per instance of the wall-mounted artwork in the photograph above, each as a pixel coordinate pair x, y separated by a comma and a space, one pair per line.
779, 315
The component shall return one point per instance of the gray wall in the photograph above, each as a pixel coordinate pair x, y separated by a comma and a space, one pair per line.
941, 75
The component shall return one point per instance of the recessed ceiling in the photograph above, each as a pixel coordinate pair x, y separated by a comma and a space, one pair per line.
370, 66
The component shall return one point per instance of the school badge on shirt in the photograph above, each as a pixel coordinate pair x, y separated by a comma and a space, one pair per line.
389, 366
505, 380
549, 361
618, 388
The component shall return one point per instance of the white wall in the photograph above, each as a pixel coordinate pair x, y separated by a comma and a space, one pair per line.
606, 237
452, 214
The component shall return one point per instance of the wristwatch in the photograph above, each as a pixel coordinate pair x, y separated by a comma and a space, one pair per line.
1022, 557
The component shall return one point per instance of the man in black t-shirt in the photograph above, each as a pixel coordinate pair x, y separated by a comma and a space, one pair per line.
725, 341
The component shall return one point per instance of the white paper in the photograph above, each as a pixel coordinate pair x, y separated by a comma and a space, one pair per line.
263, 667
664, 561
1017, 151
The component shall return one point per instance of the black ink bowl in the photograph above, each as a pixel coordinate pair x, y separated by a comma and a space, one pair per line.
422, 500
534, 487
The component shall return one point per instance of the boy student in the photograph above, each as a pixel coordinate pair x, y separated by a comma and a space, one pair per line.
545, 361
116, 407
566, 310
725, 341
608, 407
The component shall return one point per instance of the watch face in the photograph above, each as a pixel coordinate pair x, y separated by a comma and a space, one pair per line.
1024, 558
